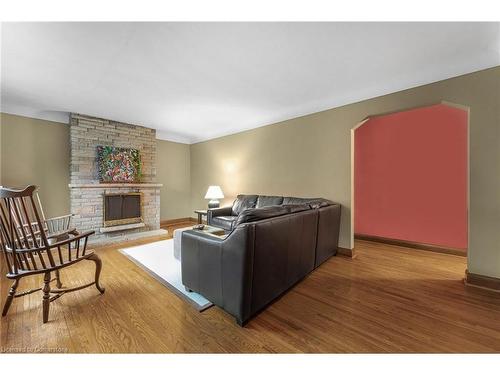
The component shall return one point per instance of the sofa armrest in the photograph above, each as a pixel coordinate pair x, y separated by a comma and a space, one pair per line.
200, 235
220, 268
214, 212
200, 263
328, 232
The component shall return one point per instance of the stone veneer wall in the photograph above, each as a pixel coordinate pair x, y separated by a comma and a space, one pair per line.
86, 133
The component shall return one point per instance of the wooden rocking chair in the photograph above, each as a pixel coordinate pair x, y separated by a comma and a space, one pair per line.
31, 249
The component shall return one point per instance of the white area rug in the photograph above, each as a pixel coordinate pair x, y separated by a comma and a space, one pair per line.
157, 258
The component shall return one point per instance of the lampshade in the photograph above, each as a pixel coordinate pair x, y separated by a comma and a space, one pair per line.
214, 192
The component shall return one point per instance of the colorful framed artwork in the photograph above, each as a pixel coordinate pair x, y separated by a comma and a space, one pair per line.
118, 164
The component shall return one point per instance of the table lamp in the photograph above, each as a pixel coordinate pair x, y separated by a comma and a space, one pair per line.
214, 193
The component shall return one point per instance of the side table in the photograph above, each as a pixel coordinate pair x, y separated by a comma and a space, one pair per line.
200, 213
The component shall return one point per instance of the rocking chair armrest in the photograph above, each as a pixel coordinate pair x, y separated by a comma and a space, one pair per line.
72, 239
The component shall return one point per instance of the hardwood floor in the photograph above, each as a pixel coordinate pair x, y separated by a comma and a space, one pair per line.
388, 299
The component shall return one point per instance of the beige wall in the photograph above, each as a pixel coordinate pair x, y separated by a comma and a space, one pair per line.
310, 156
37, 152
0, 151
173, 171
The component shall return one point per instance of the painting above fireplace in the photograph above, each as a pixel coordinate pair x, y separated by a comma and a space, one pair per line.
118, 164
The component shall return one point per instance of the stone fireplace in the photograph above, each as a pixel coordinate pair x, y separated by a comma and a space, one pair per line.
112, 210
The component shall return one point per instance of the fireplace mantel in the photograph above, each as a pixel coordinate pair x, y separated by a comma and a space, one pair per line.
115, 186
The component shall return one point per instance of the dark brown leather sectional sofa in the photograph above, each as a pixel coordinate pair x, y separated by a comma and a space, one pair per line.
273, 243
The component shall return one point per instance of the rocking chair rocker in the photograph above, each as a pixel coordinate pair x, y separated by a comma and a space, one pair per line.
32, 247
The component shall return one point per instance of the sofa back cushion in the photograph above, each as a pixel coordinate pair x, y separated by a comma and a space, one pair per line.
255, 214
295, 200
268, 200
320, 203
242, 203
293, 208
313, 202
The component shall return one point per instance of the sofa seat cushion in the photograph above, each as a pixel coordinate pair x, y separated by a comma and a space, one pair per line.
225, 222
255, 214
243, 202
268, 200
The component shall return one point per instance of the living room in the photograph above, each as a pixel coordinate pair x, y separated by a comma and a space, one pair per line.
250, 187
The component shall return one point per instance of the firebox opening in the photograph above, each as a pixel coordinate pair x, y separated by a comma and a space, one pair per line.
121, 209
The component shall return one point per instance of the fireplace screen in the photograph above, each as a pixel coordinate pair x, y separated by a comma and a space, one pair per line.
121, 209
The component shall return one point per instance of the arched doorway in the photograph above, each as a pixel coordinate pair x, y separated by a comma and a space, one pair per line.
410, 178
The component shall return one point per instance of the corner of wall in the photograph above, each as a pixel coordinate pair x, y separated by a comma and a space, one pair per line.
174, 172
190, 201
1, 156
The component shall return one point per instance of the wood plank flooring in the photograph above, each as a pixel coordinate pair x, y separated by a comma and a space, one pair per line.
388, 299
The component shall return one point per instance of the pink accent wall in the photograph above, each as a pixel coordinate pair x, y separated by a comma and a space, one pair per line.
410, 176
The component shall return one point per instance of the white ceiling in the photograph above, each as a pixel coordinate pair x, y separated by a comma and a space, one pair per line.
197, 81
